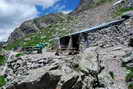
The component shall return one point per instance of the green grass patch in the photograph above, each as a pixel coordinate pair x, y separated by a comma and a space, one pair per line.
2, 59
130, 86
19, 54
120, 11
14, 44
130, 69
129, 76
2, 81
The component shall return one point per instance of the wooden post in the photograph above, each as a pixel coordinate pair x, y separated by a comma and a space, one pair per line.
70, 43
58, 47
85, 36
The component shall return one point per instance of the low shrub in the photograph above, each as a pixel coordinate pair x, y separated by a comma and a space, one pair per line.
120, 11
129, 76
19, 54
2, 81
130, 86
111, 74
2, 59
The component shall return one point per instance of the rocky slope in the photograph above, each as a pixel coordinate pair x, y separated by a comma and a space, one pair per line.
95, 68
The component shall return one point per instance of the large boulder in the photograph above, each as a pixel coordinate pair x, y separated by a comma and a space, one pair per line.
89, 60
127, 60
46, 81
130, 3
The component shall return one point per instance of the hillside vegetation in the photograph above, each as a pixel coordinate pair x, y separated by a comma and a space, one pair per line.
120, 11
56, 26
46, 35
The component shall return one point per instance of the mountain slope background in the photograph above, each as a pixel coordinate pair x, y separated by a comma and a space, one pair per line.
89, 13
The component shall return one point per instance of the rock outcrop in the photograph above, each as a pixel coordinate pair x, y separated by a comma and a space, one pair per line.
84, 5
130, 3
33, 26
90, 69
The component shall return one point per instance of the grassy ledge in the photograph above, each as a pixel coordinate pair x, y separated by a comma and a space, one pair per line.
120, 11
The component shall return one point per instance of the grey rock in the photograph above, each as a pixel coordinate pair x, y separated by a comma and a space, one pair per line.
47, 81
84, 5
89, 69
70, 83
127, 60
130, 3
119, 2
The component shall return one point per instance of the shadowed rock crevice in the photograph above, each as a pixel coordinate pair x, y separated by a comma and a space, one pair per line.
70, 84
